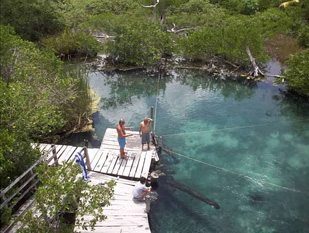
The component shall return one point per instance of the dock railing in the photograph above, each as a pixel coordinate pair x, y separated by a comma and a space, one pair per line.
14, 195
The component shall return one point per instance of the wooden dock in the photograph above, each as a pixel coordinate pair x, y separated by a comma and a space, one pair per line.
106, 159
123, 215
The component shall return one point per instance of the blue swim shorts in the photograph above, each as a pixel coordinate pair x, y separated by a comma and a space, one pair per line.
122, 142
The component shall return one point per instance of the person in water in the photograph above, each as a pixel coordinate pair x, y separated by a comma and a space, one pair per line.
121, 131
144, 131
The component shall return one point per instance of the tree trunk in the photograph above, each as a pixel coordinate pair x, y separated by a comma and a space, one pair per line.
256, 70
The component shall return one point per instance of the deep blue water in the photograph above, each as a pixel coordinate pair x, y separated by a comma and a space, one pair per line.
242, 144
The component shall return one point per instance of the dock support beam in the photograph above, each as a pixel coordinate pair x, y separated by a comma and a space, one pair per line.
55, 155
151, 112
87, 155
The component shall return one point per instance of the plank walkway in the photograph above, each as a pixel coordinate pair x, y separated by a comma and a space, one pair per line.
106, 159
123, 215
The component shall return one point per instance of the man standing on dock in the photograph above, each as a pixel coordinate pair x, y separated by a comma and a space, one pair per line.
144, 131
122, 137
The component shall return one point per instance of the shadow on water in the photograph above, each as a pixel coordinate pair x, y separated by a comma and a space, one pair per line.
172, 199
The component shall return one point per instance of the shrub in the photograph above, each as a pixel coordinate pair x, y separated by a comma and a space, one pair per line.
297, 72
303, 36
70, 43
139, 43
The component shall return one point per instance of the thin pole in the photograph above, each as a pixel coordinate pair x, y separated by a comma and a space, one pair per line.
55, 155
87, 155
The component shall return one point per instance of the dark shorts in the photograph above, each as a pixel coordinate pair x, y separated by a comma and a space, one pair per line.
145, 138
122, 142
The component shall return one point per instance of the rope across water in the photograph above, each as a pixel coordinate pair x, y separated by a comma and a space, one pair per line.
251, 179
228, 128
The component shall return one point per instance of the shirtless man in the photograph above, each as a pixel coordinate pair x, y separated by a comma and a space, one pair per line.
122, 137
144, 131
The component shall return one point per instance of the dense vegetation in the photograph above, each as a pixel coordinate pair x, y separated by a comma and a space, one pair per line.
40, 99
59, 196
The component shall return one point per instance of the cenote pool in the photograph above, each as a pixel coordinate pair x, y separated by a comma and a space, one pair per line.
241, 144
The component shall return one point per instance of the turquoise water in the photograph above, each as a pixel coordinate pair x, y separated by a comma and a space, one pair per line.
241, 144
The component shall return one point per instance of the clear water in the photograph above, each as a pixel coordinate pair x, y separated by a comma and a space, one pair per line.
241, 144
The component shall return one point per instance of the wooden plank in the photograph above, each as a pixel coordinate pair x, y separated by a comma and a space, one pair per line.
108, 161
147, 162
95, 160
140, 166
112, 164
92, 152
66, 154
127, 168
135, 165
120, 162
109, 142
113, 147
98, 178
78, 149
61, 150
117, 229
102, 160
42, 146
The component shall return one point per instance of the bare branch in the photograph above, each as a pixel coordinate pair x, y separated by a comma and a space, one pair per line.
174, 30
152, 6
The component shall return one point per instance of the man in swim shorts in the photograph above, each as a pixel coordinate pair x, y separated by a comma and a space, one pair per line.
122, 137
144, 131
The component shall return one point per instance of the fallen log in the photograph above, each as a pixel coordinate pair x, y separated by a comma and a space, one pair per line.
193, 193
256, 70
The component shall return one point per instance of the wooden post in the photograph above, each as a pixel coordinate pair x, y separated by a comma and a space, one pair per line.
55, 155
87, 155
151, 112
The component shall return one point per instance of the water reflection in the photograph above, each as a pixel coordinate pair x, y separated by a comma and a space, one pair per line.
125, 86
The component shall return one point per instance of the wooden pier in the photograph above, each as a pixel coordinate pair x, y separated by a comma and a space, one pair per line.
106, 159
123, 215
104, 163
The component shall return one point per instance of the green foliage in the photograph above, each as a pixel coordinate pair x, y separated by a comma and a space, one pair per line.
5, 215
223, 41
63, 192
95, 7
303, 37
72, 43
139, 43
247, 7
32, 19
37, 99
16, 155
266, 4
273, 21
297, 72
